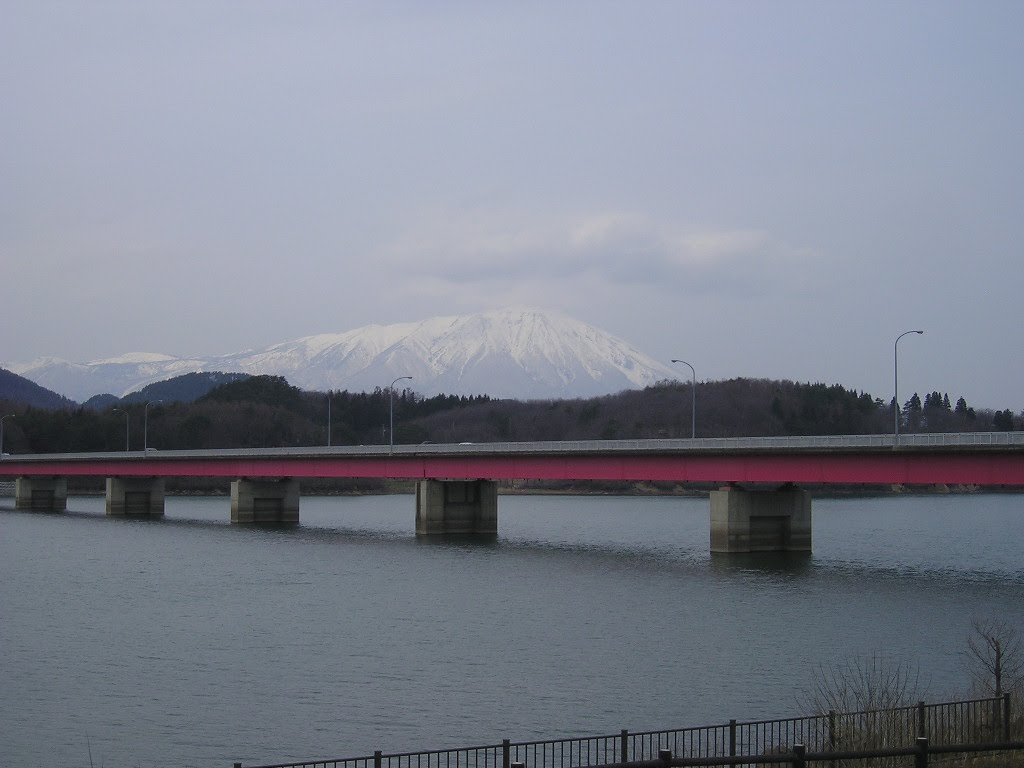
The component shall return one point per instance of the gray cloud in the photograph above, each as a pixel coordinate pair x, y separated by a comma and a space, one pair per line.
486, 248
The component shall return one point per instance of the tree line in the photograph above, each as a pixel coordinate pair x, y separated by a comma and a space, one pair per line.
267, 412
255, 412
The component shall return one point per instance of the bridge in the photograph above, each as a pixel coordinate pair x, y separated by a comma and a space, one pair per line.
761, 500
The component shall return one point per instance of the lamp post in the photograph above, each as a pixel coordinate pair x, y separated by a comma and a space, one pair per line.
127, 423
2, 420
145, 424
896, 387
391, 409
693, 406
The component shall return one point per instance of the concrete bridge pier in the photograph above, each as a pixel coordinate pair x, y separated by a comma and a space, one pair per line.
135, 496
456, 506
265, 501
760, 521
41, 494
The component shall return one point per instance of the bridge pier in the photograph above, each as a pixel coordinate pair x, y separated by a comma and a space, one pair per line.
760, 521
265, 501
137, 496
456, 506
41, 494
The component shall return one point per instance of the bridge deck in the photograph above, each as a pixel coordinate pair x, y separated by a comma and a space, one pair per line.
951, 458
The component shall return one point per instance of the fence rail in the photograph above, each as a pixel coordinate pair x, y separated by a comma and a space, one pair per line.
973, 721
799, 757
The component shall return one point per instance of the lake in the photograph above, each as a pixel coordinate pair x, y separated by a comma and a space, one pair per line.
188, 641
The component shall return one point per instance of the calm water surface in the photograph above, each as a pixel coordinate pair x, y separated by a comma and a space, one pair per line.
191, 642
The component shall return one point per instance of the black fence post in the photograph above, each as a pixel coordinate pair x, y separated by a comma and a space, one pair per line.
1006, 717
921, 729
732, 738
921, 757
517, 764
665, 755
832, 734
799, 750
506, 753
238, 765
377, 758
624, 746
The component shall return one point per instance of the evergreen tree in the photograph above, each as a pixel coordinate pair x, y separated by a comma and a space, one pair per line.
912, 412
1002, 421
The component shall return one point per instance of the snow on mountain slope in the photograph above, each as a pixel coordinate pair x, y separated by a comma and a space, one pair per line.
519, 352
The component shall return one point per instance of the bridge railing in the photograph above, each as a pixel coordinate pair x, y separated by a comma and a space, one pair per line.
973, 721
808, 442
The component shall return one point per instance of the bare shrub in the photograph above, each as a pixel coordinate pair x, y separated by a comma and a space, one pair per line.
870, 703
864, 684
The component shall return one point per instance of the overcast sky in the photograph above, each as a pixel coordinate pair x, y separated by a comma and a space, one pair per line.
766, 189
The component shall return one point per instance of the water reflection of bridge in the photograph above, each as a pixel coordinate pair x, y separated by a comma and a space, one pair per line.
762, 500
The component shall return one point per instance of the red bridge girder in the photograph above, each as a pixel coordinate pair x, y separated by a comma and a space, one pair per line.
805, 468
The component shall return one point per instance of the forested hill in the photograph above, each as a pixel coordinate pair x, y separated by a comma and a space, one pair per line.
733, 408
266, 411
18, 390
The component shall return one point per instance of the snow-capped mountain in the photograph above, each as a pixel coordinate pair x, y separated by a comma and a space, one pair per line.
518, 353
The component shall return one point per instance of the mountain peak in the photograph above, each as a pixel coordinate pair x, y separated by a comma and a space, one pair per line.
517, 352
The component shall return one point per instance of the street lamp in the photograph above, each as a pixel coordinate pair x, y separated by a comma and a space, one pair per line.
145, 424
693, 407
2, 420
896, 387
127, 423
391, 408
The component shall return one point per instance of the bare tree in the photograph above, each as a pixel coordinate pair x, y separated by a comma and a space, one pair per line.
995, 657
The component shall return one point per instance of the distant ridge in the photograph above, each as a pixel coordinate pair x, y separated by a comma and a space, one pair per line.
521, 353
186, 388
18, 389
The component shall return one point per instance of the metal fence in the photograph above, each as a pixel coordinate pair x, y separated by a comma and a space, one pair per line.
974, 721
